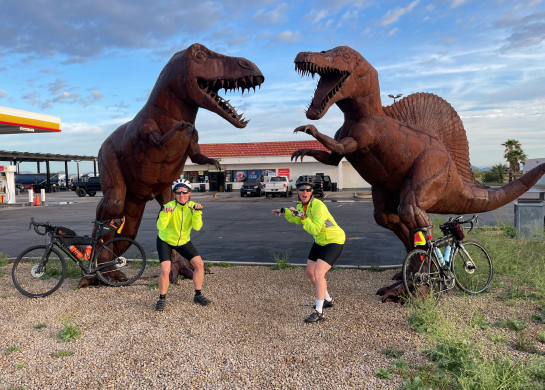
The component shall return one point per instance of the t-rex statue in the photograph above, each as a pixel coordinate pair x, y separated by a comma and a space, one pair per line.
139, 161
414, 153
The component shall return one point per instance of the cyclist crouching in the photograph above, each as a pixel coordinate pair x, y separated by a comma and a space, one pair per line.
176, 219
328, 243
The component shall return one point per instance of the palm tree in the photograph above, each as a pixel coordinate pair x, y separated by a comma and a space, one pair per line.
517, 157
499, 170
510, 146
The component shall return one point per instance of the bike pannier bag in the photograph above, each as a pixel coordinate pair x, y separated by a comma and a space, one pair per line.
111, 226
458, 232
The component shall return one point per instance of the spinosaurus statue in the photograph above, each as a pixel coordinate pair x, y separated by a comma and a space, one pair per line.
414, 153
139, 161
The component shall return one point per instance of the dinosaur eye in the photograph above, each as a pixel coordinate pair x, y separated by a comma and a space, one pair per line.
200, 55
245, 64
346, 55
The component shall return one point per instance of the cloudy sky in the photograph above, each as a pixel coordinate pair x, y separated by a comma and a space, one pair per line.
93, 63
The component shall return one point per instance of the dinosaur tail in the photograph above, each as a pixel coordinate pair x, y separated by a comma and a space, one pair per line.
481, 200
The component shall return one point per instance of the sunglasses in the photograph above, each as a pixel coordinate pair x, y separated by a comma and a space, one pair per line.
181, 192
305, 189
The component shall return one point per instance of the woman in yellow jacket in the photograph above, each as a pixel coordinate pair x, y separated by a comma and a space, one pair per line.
328, 243
176, 219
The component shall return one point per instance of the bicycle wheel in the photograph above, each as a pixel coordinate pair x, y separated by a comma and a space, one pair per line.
128, 261
472, 267
35, 278
421, 275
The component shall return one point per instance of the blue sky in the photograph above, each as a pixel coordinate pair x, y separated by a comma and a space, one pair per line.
92, 63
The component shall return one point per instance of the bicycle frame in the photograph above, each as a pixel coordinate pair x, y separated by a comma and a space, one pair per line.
88, 270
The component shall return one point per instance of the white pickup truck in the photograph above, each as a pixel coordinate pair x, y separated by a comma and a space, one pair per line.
278, 185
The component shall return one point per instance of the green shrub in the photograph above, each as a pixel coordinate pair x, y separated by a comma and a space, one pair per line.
20, 366
413, 384
392, 353
489, 177
62, 353
224, 264
209, 264
541, 337
12, 349
499, 373
40, 326
400, 363
539, 318
4, 259
153, 285
375, 268
536, 368
523, 343
451, 354
516, 325
478, 321
69, 333
282, 261
424, 316
383, 373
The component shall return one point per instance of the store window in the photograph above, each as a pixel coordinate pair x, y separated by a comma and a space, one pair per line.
228, 176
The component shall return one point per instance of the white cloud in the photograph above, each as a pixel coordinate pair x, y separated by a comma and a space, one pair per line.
3, 94
275, 16
288, 36
32, 97
57, 86
92, 98
315, 16
457, 3
393, 16
347, 16
393, 31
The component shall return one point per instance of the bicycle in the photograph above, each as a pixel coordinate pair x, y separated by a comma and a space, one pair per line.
466, 265
40, 270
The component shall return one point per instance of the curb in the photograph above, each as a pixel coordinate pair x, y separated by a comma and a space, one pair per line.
265, 264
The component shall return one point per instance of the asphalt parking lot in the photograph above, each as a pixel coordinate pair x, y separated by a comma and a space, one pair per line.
235, 229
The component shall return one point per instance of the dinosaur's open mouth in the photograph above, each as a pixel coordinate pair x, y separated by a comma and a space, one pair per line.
331, 81
211, 88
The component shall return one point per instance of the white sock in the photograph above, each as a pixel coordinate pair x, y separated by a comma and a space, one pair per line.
327, 297
319, 305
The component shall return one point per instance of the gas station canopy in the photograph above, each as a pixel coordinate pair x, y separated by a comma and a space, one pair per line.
14, 121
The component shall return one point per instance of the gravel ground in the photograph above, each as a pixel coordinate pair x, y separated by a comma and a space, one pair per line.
251, 337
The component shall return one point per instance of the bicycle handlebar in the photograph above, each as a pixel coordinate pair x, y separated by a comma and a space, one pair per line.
473, 221
37, 225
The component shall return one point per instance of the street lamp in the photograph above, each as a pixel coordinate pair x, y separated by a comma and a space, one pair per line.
395, 97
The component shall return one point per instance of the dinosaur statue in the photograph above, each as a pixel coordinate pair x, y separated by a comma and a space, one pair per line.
414, 153
139, 161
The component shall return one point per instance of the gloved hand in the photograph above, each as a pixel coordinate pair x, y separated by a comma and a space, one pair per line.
297, 213
279, 211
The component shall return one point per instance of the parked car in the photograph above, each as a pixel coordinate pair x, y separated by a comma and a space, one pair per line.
250, 188
278, 185
90, 186
318, 186
328, 184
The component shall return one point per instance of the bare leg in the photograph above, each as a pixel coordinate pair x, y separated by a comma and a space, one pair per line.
310, 270
198, 272
163, 277
320, 283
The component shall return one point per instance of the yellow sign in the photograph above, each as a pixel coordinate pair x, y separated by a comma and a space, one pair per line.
201, 172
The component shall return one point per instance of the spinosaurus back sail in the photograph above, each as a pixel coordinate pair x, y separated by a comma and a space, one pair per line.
435, 114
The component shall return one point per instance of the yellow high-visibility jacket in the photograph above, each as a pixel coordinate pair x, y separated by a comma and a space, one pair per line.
318, 222
174, 228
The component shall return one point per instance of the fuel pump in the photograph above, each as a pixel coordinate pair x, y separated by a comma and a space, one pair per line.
7, 184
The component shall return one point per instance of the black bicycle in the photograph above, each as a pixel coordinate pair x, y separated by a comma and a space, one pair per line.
40, 270
467, 264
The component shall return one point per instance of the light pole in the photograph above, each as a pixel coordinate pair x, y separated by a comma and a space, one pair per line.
395, 97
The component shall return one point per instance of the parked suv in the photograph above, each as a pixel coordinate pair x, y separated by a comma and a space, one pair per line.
318, 186
90, 186
252, 188
316, 181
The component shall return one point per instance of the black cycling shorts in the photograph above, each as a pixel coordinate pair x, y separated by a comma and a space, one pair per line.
328, 253
164, 250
